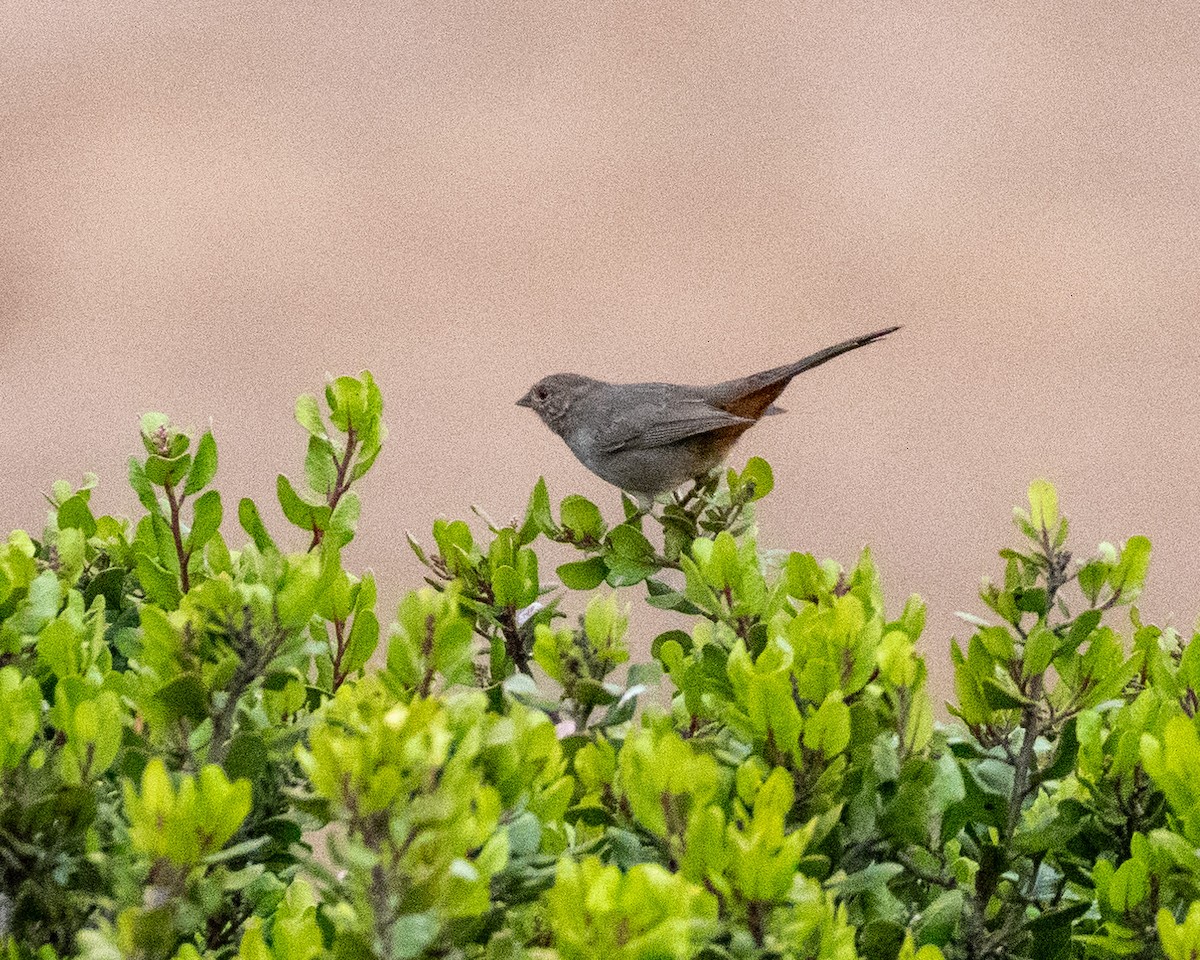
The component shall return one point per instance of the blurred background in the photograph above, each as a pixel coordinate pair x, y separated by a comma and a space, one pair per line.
207, 205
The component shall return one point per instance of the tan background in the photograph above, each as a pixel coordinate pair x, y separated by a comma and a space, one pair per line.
206, 205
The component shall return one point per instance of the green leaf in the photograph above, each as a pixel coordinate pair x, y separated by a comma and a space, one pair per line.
582, 518
583, 574
58, 647
42, 600
805, 579
348, 403
662, 597
163, 472
871, 879
1129, 575
507, 587
998, 698
319, 468
368, 593
630, 543
367, 455
252, 523
412, 934
1129, 886
305, 515
593, 693
940, 920
1092, 577
75, 513
828, 730
343, 521
1043, 504
538, 518
758, 472
1081, 630
217, 556
160, 585
308, 414
455, 545
881, 939
204, 466
142, 486
997, 641
206, 520
1039, 649
363, 639
1065, 754
1032, 601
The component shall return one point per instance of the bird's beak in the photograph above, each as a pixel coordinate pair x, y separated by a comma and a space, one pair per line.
525, 401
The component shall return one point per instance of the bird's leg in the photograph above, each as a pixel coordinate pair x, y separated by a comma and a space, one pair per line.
703, 484
690, 495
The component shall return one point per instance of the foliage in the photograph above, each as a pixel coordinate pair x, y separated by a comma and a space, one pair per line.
198, 759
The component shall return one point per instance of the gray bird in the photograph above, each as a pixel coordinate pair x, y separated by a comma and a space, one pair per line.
648, 438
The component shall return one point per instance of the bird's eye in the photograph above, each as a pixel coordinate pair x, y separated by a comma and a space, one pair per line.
540, 394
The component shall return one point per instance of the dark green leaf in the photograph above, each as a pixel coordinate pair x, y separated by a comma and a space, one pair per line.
592, 693
1032, 601
680, 637
186, 698
871, 879
247, 756
1081, 630
1065, 754
940, 920
111, 584
881, 939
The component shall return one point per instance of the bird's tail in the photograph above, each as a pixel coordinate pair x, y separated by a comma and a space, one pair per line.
752, 396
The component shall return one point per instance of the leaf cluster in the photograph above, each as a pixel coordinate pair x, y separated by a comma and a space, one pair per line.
204, 753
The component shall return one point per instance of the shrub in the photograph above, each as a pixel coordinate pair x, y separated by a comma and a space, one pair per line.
199, 760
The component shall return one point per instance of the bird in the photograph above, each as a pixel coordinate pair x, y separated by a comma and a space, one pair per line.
650, 438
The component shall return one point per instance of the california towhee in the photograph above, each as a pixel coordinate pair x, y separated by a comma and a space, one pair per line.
647, 438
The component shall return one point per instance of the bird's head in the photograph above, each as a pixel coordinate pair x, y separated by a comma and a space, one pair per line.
551, 397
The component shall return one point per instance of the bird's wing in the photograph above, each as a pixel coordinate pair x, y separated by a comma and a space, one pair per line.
669, 424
